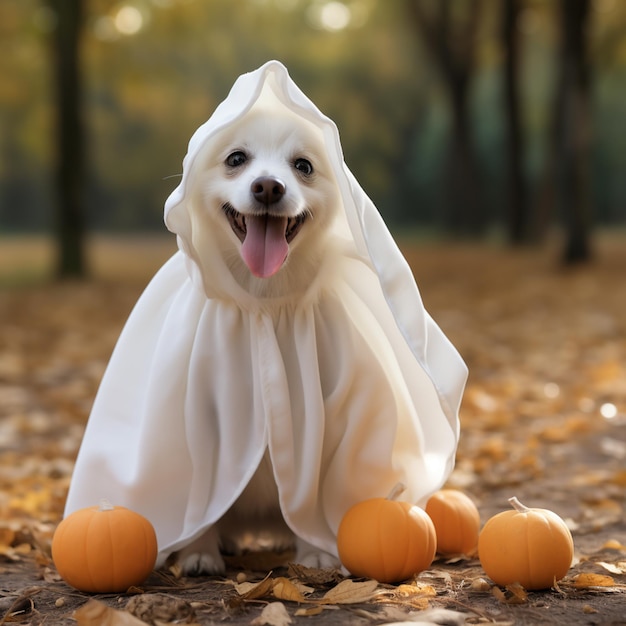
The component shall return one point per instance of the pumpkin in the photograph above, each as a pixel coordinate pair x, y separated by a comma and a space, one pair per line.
386, 539
532, 547
104, 549
456, 520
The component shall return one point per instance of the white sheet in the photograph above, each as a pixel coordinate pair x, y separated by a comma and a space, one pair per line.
352, 389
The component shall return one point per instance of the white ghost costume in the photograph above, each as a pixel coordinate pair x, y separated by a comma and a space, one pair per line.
351, 388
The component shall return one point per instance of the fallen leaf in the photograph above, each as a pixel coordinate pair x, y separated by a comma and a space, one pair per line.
593, 580
480, 584
245, 587
310, 610
96, 613
162, 608
314, 575
418, 588
350, 592
284, 589
316, 609
614, 568
273, 614
513, 594
176, 570
254, 591
15, 553
413, 596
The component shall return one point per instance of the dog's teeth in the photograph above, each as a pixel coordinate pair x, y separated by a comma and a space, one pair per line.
293, 224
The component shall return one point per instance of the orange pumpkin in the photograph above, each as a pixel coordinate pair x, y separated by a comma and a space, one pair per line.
385, 539
104, 549
532, 547
456, 520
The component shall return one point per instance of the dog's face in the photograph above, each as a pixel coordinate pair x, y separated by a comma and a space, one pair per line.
270, 189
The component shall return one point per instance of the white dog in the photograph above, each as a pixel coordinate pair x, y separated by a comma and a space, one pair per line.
269, 190
281, 366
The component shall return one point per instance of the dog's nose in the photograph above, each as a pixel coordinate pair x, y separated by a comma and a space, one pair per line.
268, 190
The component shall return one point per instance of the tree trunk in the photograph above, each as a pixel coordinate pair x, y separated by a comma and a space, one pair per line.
467, 211
452, 49
516, 192
574, 132
70, 150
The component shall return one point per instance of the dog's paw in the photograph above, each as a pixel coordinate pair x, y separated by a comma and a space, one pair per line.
198, 563
310, 556
202, 556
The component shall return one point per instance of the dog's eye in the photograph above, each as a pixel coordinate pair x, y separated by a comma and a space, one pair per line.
236, 158
303, 166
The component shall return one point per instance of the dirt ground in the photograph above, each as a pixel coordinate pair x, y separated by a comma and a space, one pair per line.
544, 419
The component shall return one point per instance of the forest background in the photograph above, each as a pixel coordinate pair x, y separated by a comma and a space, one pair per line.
488, 133
465, 117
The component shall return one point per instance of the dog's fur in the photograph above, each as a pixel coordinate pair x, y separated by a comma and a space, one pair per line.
283, 147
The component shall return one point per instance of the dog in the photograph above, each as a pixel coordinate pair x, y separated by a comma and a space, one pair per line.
269, 192
280, 367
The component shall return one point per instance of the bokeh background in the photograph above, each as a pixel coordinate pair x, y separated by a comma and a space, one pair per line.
499, 119
489, 134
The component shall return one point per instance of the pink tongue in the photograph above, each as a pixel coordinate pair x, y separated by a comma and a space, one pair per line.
265, 248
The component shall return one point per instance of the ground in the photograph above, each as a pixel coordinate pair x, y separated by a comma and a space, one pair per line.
543, 418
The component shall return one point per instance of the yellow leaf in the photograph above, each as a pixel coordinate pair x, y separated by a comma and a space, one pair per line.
96, 613
176, 570
415, 595
593, 580
284, 589
518, 592
613, 544
418, 588
254, 591
16, 553
350, 592
513, 594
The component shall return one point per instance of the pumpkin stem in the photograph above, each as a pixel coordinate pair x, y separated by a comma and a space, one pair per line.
518, 506
398, 488
105, 505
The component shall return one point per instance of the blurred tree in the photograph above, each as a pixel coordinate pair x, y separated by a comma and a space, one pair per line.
516, 192
70, 149
572, 130
153, 70
448, 30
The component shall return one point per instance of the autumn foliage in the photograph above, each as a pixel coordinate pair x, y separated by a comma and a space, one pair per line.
542, 418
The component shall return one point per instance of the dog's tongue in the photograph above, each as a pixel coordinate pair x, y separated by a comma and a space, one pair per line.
265, 248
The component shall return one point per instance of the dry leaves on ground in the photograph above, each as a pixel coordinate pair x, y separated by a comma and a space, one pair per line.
544, 418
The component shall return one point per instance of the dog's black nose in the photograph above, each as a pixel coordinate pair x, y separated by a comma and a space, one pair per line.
268, 190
